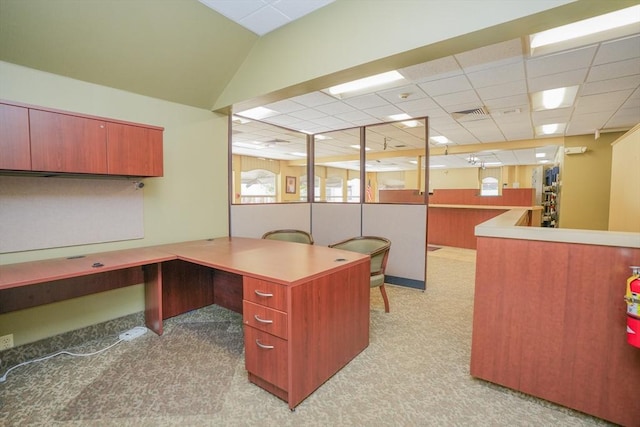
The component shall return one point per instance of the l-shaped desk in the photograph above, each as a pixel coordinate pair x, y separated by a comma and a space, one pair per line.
305, 307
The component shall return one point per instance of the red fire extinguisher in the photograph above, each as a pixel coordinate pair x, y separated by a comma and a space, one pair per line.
632, 297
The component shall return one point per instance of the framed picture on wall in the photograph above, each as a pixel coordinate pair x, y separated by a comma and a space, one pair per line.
291, 185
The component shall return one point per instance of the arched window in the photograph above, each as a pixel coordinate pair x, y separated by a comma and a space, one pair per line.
258, 186
489, 186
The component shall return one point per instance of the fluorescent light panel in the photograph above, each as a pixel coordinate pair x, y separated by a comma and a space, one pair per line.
440, 139
586, 27
366, 83
258, 113
621, 23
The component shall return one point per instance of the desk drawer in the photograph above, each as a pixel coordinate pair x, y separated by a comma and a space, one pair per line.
266, 356
265, 293
264, 318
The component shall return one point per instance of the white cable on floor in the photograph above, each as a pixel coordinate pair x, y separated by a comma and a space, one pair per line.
126, 336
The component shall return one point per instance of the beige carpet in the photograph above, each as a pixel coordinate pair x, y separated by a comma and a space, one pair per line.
415, 372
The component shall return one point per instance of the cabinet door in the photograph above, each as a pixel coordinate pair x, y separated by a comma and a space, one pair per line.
15, 152
65, 143
134, 150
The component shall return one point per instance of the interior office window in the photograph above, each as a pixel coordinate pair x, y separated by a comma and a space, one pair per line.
395, 156
337, 164
261, 146
490, 181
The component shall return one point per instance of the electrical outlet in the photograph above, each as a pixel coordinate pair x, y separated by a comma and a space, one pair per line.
6, 342
133, 333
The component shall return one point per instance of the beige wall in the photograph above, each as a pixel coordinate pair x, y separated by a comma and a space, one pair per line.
453, 178
585, 183
189, 202
624, 203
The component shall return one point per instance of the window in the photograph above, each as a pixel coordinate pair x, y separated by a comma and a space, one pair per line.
489, 187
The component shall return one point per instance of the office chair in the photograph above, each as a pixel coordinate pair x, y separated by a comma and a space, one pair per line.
378, 248
297, 236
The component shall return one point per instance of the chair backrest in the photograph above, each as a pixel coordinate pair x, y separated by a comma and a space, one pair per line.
297, 236
377, 247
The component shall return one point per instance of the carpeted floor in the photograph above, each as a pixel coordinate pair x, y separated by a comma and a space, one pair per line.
415, 372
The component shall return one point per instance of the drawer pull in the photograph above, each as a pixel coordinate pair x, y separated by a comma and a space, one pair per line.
263, 294
255, 316
267, 347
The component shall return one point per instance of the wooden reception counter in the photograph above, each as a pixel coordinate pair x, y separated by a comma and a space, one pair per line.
549, 317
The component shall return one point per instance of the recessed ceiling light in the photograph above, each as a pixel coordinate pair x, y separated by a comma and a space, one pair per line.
240, 120
295, 153
258, 113
543, 161
437, 166
357, 147
493, 163
539, 155
402, 116
440, 139
561, 97
550, 129
366, 83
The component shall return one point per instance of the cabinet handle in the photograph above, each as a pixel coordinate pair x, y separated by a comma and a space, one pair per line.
255, 316
267, 347
263, 294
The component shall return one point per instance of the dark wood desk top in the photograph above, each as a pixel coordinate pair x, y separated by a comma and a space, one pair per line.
276, 261
279, 262
28, 273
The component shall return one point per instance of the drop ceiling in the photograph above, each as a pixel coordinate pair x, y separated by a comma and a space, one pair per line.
496, 83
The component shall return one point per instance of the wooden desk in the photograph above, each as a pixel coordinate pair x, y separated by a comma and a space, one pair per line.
305, 307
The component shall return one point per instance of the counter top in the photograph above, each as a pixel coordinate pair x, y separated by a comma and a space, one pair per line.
503, 226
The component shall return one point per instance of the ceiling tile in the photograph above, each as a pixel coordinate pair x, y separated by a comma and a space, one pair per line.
497, 76
335, 108
285, 106
503, 90
459, 101
366, 101
618, 50
403, 93
499, 54
603, 86
628, 67
432, 70
308, 114
552, 81
446, 86
601, 102
313, 99
560, 62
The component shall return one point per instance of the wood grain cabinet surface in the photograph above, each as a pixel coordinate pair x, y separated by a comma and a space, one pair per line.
42, 140
65, 143
15, 149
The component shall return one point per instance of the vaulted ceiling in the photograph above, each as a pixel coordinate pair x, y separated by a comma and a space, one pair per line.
184, 52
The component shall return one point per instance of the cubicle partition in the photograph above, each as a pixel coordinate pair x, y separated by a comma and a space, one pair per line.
404, 225
255, 220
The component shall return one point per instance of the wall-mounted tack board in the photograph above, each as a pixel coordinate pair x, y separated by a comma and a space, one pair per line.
50, 212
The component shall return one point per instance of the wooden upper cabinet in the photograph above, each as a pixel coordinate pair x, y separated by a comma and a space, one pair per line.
134, 150
66, 143
15, 150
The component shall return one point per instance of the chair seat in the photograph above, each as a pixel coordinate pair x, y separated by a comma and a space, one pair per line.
377, 280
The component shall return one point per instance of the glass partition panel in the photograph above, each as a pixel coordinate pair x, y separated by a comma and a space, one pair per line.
337, 166
269, 163
395, 156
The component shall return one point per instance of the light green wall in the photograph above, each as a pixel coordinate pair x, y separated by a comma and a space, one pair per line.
189, 202
585, 183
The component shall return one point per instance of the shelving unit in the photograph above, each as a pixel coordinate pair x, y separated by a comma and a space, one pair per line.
550, 197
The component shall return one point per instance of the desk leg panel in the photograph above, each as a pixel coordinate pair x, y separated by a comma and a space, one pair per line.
153, 297
185, 287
